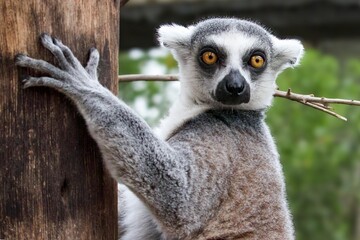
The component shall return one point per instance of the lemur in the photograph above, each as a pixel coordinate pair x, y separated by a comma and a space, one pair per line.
213, 172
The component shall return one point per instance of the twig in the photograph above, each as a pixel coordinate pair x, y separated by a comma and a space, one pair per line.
144, 77
319, 103
321, 108
311, 98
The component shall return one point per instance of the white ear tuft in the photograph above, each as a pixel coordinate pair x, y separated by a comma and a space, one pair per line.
288, 52
293, 49
174, 36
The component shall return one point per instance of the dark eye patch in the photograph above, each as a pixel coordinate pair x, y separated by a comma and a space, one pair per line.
221, 56
246, 59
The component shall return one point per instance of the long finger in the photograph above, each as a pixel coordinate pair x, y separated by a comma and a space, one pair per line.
93, 63
47, 42
40, 65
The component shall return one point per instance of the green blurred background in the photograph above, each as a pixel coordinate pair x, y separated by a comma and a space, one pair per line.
319, 153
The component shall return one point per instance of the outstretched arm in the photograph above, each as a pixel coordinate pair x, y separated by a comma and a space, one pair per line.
132, 153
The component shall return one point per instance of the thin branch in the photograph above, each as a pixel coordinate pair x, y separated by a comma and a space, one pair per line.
144, 77
319, 103
321, 108
311, 98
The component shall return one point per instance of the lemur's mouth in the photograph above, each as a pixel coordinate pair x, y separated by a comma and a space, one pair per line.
233, 89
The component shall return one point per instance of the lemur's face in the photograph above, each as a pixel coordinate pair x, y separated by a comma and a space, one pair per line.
233, 66
229, 62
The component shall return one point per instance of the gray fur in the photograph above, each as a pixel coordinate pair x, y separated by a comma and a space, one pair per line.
215, 172
215, 26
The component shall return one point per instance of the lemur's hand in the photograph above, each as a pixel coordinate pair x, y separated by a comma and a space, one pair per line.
70, 76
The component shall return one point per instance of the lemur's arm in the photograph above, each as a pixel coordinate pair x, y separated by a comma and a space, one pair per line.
132, 153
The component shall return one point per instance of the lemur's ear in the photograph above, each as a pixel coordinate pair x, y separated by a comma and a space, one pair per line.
175, 36
287, 53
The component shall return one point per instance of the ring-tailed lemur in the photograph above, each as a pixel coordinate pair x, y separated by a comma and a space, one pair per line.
214, 173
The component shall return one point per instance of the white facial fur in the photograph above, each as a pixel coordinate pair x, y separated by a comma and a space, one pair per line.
237, 45
236, 38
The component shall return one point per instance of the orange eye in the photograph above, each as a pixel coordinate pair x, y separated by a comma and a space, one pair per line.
209, 58
257, 61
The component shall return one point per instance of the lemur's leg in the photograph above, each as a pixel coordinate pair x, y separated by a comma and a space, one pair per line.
132, 153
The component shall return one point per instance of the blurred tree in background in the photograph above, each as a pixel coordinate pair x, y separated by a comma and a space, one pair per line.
319, 153
150, 99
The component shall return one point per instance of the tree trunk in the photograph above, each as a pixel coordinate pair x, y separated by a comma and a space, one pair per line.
52, 181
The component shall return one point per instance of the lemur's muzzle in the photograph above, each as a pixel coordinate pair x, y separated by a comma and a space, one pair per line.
233, 89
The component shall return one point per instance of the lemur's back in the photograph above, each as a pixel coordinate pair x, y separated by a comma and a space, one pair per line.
238, 189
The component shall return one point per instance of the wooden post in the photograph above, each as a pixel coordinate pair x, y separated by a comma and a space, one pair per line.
52, 181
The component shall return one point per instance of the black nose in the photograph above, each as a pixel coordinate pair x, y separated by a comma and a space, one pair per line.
235, 87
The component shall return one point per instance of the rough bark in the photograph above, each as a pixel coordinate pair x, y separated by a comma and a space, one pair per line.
52, 181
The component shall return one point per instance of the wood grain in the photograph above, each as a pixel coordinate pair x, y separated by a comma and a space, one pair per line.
52, 181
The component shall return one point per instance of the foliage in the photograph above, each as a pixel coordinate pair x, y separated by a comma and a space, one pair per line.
319, 153
154, 96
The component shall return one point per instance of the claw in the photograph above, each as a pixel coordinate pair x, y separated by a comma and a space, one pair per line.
26, 85
46, 39
20, 59
94, 52
45, 35
26, 82
93, 49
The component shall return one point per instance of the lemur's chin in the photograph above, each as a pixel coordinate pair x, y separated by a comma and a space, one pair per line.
234, 100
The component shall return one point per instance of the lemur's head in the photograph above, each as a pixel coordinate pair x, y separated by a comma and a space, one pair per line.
228, 62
